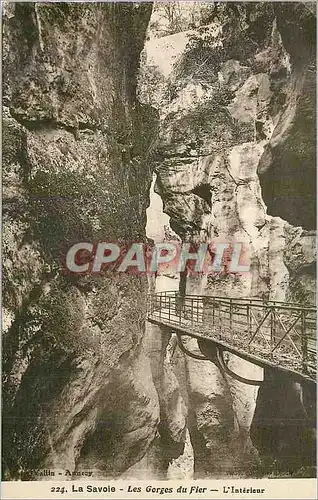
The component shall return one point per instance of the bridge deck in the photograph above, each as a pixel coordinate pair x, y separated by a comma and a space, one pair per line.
273, 334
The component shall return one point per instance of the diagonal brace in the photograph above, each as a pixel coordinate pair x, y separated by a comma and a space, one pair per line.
287, 334
259, 325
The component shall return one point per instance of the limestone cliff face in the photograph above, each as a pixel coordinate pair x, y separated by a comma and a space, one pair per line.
234, 89
78, 389
287, 168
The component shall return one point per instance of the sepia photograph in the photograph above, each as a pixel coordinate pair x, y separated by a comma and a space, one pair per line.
158, 249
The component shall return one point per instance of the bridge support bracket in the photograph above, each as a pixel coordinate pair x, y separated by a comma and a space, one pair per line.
214, 354
211, 352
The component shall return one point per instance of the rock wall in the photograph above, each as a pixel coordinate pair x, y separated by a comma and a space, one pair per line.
233, 84
78, 389
233, 90
287, 169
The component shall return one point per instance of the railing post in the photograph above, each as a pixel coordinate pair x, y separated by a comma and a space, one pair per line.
160, 305
150, 305
248, 313
191, 312
169, 309
213, 312
273, 328
304, 342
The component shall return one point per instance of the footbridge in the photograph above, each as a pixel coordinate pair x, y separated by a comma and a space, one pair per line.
271, 334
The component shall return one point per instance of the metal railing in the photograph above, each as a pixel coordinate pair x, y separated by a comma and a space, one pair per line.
283, 334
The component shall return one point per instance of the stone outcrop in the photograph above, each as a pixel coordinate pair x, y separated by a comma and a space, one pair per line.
287, 168
285, 431
78, 389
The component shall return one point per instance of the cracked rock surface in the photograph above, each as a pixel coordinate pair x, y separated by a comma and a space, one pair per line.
235, 161
86, 384
78, 390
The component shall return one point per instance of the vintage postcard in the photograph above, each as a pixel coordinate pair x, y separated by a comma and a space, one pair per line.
158, 250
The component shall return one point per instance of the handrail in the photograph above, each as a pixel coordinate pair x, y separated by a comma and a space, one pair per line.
264, 302
277, 332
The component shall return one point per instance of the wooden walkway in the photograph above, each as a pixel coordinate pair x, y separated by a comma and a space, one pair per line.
267, 333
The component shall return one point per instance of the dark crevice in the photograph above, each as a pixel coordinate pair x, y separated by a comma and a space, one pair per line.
51, 123
40, 124
204, 192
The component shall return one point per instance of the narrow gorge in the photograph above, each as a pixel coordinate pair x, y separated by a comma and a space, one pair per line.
140, 122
